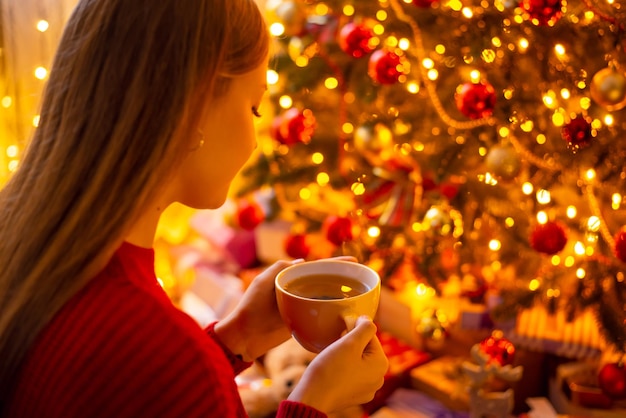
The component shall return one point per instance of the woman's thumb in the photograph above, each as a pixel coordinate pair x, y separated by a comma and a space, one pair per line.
363, 332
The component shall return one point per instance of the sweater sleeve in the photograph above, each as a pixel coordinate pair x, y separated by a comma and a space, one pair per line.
287, 409
236, 362
290, 409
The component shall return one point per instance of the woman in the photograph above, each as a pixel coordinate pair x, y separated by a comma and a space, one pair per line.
148, 103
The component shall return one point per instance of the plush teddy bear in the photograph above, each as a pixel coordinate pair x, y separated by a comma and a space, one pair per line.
274, 378
290, 353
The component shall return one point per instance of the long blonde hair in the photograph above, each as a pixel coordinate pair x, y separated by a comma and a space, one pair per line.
127, 75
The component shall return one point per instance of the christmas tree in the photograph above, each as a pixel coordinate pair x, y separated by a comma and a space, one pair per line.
461, 138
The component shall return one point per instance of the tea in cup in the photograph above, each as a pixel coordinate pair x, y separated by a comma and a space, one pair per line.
319, 300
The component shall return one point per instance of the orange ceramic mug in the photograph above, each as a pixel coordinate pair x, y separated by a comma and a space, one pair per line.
319, 300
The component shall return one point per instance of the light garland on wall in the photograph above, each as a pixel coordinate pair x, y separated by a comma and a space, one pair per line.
26, 27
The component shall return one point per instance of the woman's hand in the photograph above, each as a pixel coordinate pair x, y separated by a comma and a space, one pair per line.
255, 324
346, 373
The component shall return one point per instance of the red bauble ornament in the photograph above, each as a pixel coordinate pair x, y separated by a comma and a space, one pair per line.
612, 380
449, 190
249, 215
577, 133
386, 67
293, 126
544, 12
296, 246
354, 39
548, 238
620, 245
475, 100
424, 3
338, 229
428, 184
498, 349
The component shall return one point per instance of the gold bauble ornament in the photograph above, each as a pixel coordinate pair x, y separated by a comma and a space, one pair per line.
300, 47
504, 162
608, 89
374, 141
289, 13
441, 220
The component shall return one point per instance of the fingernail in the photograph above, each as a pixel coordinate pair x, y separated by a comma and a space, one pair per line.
297, 261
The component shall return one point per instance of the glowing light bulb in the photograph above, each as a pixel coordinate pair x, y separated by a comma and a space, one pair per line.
305, 193
616, 201
579, 248
559, 49
475, 76
571, 212
43, 25
331, 83
358, 189
272, 77
12, 151
593, 224
428, 63
373, 231
543, 196
317, 158
534, 284
495, 245
542, 217
523, 44
413, 87
285, 102
548, 100
277, 29
41, 73
321, 9
527, 188
323, 179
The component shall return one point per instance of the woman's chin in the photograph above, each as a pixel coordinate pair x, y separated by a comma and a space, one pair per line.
207, 201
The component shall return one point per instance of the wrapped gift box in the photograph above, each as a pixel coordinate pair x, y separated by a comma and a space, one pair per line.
574, 390
443, 380
403, 358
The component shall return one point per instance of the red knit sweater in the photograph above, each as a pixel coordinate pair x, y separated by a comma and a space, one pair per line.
121, 349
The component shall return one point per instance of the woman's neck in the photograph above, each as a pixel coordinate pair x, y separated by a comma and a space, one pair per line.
143, 231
